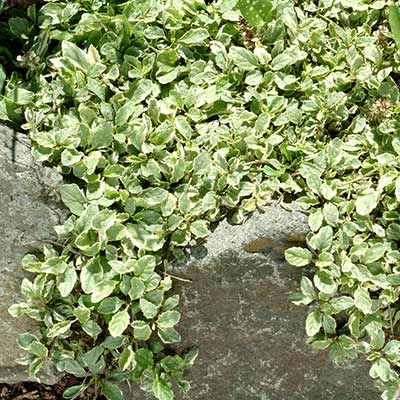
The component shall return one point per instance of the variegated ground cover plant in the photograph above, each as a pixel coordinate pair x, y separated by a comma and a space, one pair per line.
166, 116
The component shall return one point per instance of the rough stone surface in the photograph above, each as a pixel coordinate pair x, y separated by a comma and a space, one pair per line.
251, 338
28, 213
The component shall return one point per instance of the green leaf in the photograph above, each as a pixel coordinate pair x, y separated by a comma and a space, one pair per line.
298, 256
127, 359
322, 241
169, 335
20, 27
38, 349
66, 281
180, 238
91, 161
137, 289
329, 324
35, 366
114, 343
171, 302
144, 266
392, 391
243, 58
202, 163
92, 328
102, 135
21, 97
173, 364
381, 369
142, 90
354, 323
199, 228
397, 189
148, 309
19, 309
331, 214
125, 112
152, 197
366, 203
25, 340
111, 391
73, 367
374, 253
307, 288
324, 281
194, 36
70, 157
59, 329
110, 305
144, 360
88, 242
2, 77
73, 198
144, 239
74, 55
184, 385
394, 22
327, 191
91, 275
122, 267
315, 220
191, 356
82, 313
341, 303
119, 322
313, 323
168, 319
54, 265
289, 57
73, 392
183, 127
376, 333
362, 300
91, 358
162, 389
103, 290
256, 12
392, 351
141, 330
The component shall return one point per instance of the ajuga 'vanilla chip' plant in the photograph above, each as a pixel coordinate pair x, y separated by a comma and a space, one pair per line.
166, 116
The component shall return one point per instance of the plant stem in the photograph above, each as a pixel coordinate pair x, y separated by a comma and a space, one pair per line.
178, 278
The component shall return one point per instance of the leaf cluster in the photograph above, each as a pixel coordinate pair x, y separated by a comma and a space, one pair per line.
22, 50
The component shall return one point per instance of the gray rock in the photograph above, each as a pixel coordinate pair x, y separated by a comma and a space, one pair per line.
251, 338
28, 212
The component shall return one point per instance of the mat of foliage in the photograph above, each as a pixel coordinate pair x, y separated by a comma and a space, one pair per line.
166, 116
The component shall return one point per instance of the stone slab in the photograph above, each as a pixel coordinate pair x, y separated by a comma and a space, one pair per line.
29, 210
251, 338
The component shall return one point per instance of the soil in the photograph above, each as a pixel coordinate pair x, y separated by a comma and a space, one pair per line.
38, 391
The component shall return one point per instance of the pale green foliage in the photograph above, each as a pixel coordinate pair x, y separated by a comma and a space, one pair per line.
167, 123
